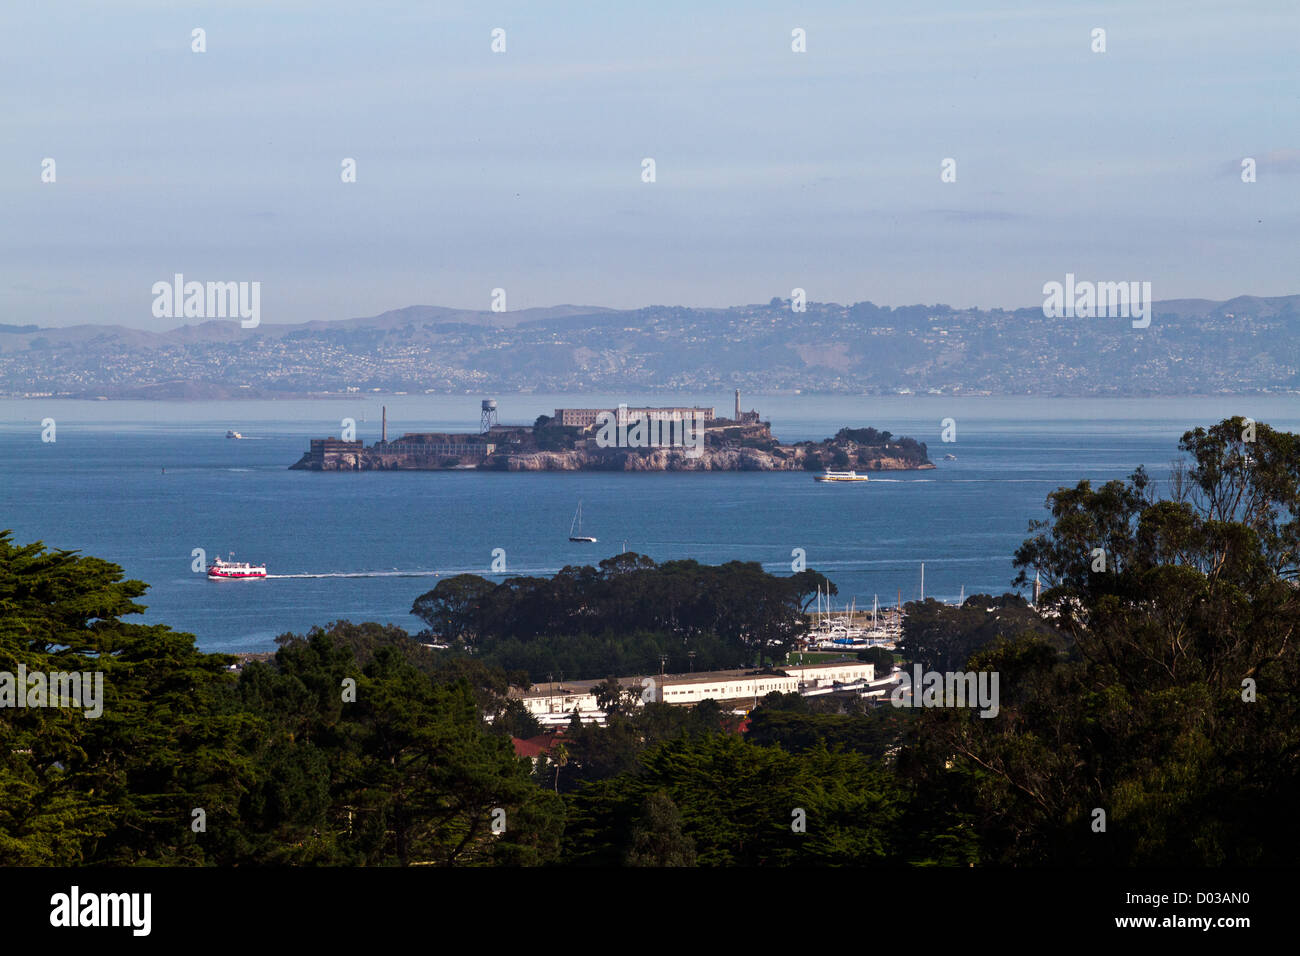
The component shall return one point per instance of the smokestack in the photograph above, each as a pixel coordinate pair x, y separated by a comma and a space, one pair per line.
737, 405
384, 434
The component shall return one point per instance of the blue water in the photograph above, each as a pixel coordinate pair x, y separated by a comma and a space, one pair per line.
363, 546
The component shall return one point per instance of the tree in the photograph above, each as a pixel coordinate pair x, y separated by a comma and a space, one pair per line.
1177, 709
624, 616
807, 583
414, 774
941, 638
737, 802
452, 608
514, 720
657, 837
560, 757
613, 698
881, 658
286, 766
119, 787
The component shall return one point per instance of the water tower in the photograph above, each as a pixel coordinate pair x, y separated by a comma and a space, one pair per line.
489, 414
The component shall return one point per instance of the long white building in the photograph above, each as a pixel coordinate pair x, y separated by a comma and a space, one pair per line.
734, 687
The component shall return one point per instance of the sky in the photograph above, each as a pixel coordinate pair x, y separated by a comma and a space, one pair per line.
523, 169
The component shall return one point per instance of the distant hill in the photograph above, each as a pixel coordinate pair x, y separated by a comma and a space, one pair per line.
1248, 344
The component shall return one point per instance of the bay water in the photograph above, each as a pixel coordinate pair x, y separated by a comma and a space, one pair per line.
144, 484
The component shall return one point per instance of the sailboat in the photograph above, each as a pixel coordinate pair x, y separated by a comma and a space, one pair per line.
577, 523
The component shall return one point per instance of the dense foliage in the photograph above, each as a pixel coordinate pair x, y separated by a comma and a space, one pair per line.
1177, 711
941, 638
190, 763
623, 616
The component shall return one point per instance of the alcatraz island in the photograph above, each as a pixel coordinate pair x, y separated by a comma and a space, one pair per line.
619, 439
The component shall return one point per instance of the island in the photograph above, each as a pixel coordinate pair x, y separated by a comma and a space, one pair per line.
619, 439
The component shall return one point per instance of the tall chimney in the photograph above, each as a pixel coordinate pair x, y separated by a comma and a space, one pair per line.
737, 418
384, 434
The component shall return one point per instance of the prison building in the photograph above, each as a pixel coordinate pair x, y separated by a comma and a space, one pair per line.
331, 451
434, 444
587, 417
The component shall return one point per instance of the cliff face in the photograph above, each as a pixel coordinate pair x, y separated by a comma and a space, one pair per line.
782, 458
663, 459
654, 459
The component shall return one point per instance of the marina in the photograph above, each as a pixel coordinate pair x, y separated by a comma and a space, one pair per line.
845, 632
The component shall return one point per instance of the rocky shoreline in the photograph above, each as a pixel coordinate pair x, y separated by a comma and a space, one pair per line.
789, 458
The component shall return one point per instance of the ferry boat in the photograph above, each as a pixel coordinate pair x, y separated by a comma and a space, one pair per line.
234, 570
233, 434
840, 476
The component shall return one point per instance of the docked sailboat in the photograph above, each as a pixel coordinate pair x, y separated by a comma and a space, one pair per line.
829, 631
577, 524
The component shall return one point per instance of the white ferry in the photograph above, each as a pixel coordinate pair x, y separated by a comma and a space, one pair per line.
233, 434
840, 476
234, 570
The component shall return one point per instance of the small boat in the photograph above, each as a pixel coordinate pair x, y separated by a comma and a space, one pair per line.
949, 457
577, 523
233, 434
233, 570
840, 476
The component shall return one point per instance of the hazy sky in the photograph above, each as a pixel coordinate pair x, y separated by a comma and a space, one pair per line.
522, 169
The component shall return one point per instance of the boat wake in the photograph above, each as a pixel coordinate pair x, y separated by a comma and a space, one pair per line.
360, 574
961, 481
396, 573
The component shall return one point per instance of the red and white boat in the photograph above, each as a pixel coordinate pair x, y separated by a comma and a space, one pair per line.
234, 570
